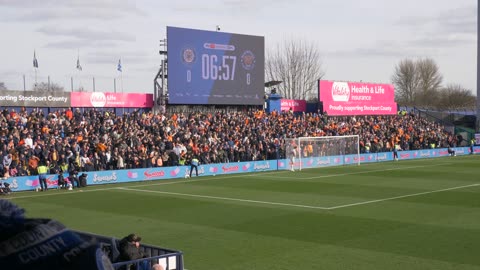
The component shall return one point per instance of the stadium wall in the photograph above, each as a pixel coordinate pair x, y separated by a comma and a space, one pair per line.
25, 183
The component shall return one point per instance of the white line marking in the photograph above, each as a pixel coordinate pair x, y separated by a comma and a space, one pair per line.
223, 176
252, 201
382, 170
181, 181
61, 192
177, 181
299, 205
362, 172
400, 197
226, 198
219, 176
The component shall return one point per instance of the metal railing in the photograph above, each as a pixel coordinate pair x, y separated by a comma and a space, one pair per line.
170, 259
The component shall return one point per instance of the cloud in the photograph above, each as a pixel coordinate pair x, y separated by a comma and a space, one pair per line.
72, 10
253, 4
76, 44
394, 49
444, 41
453, 21
452, 28
83, 37
236, 8
383, 48
86, 34
147, 68
461, 20
374, 51
433, 35
63, 14
9, 73
74, 4
240, 5
193, 9
367, 52
128, 57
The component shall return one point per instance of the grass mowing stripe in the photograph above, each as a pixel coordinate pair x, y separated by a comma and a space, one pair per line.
400, 197
437, 231
56, 194
115, 186
299, 205
224, 177
225, 198
362, 172
382, 170
260, 174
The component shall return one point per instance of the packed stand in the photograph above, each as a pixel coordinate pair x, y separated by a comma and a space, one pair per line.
76, 141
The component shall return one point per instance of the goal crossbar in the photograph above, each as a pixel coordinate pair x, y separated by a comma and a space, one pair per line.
308, 152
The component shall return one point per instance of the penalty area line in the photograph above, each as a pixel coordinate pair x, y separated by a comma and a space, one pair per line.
351, 173
380, 170
401, 197
225, 198
299, 205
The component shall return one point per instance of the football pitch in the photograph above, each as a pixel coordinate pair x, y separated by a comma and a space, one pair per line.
414, 214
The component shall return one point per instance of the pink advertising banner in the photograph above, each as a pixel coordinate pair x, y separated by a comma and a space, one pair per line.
297, 105
357, 98
110, 100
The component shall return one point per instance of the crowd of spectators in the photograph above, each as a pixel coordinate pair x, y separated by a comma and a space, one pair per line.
93, 140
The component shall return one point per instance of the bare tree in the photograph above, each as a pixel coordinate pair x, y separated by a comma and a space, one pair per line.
298, 64
405, 79
43, 86
430, 81
454, 97
417, 82
2, 86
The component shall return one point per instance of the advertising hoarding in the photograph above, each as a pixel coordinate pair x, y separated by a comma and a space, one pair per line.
23, 183
296, 105
111, 100
34, 99
357, 98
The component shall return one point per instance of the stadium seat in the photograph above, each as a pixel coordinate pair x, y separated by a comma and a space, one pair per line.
115, 252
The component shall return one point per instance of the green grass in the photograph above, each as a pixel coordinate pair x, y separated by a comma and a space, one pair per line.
419, 214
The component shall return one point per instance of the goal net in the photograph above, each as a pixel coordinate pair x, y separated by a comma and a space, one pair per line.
313, 152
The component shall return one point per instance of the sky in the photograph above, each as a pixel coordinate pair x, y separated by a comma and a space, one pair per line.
358, 40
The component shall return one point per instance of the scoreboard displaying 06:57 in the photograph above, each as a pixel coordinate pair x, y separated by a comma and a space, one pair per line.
207, 67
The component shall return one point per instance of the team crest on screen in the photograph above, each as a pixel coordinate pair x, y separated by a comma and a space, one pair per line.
188, 56
248, 60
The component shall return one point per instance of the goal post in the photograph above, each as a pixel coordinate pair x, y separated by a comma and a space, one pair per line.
312, 152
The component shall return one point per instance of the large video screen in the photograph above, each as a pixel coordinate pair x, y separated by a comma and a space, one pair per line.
207, 67
357, 98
